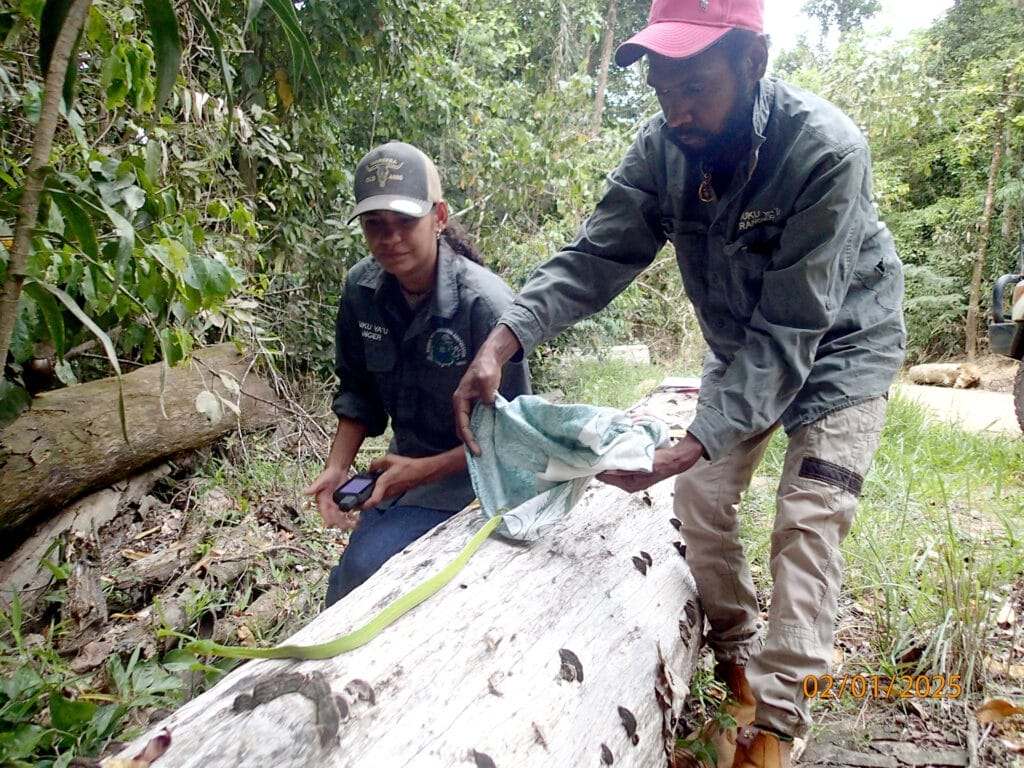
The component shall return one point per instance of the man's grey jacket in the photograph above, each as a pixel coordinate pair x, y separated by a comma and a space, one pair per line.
795, 281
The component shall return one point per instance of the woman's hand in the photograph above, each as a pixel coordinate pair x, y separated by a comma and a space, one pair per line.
399, 474
323, 489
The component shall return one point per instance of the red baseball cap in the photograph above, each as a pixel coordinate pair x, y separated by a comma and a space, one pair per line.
678, 29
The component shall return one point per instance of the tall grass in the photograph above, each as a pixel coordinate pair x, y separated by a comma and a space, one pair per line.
934, 553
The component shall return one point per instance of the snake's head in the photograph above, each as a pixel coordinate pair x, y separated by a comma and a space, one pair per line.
202, 648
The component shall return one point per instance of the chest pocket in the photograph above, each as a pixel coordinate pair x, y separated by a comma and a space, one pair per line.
445, 357
742, 268
689, 238
382, 365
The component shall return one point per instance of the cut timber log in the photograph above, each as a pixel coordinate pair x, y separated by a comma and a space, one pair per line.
956, 375
70, 440
575, 650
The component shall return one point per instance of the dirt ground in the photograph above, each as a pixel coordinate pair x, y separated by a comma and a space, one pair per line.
997, 373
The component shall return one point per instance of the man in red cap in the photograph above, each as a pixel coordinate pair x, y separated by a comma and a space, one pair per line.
764, 190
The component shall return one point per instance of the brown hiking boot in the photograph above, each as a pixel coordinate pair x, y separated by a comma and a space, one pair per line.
761, 749
740, 707
721, 735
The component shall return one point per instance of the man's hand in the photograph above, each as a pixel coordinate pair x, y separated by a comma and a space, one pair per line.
668, 461
482, 379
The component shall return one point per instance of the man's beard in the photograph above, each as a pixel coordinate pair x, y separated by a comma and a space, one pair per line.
725, 148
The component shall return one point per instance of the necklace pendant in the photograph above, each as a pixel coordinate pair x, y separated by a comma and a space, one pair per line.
706, 192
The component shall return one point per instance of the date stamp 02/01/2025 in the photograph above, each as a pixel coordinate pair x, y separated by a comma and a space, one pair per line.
882, 687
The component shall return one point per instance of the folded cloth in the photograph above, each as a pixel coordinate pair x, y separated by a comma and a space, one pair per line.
537, 458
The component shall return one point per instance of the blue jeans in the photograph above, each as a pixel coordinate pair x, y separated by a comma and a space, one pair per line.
380, 534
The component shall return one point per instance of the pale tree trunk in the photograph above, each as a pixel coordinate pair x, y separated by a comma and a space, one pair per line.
606, 58
573, 650
974, 303
35, 173
561, 47
568, 651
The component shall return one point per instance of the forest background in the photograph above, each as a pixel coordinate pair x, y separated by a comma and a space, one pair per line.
200, 173
183, 204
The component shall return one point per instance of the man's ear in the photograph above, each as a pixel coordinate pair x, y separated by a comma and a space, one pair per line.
757, 58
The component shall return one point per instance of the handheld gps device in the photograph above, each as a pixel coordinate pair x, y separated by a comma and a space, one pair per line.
355, 490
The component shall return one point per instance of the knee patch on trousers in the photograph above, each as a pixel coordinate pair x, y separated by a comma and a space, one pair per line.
833, 474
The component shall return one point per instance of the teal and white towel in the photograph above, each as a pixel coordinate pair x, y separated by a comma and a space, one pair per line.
537, 457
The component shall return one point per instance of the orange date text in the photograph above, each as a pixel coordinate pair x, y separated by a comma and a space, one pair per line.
879, 687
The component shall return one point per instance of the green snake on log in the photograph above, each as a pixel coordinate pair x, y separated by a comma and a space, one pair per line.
364, 634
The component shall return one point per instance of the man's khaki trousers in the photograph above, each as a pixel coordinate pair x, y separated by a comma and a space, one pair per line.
821, 481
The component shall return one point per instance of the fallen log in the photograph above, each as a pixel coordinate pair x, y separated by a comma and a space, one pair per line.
553, 654
70, 441
23, 572
956, 375
574, 650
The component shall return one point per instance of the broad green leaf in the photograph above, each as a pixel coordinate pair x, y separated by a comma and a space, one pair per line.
79, 222
298, 44
22, 337
72, 305
217, 209
13, 400
175, 345
180, 660
54, 14
21, 741
108, 345
250, 14
50, 310
114, 79
154, 156
106, 718
208, 276
125, 242
134, 198
70, 716
163, 26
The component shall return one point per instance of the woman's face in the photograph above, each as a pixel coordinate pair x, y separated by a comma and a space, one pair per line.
405, 246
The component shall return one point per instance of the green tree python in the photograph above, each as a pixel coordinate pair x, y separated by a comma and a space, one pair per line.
364, 634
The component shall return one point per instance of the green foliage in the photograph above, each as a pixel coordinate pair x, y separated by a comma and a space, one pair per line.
603, 380
933, 550
845, 15
48, 715
929, 107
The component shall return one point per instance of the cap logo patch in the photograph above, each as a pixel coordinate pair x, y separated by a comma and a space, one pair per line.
384, 170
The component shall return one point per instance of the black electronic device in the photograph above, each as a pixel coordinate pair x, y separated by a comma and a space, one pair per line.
355, 490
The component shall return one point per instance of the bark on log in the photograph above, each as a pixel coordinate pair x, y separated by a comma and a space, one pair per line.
956, 375
70, 440
576, 650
